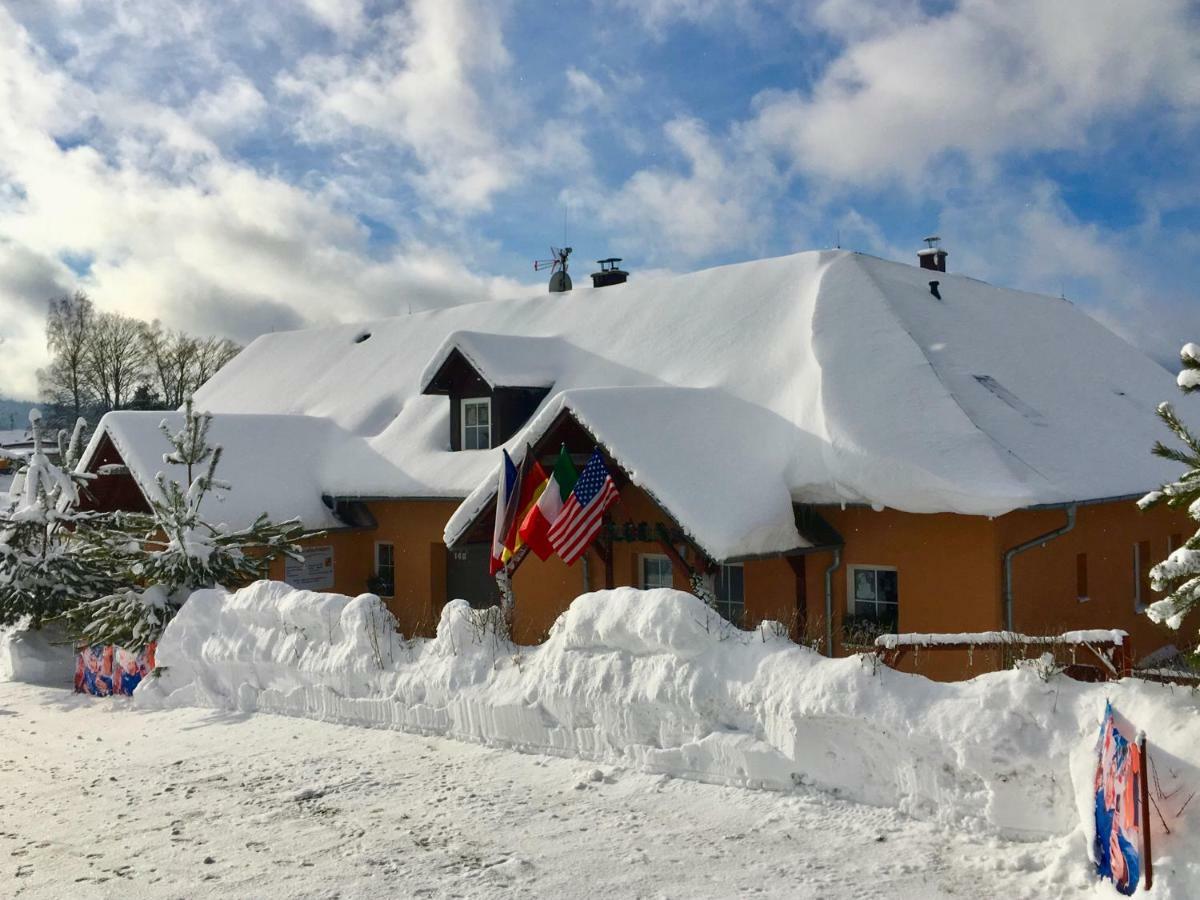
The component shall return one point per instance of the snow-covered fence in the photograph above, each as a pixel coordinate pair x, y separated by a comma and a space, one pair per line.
1110, 648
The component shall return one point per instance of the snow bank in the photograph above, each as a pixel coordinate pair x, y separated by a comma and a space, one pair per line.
36, 657
655, 680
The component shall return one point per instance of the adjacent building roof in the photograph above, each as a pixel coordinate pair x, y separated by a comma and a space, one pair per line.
823, 377
271, 463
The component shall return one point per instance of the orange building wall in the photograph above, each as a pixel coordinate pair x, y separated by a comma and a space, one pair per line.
1045, 595
544, 590
414, 527
949, 572
948, 575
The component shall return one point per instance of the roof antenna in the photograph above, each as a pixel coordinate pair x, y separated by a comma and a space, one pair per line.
560, 281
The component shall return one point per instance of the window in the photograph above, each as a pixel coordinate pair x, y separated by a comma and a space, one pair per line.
731, 593
874, 594
477, 424
1141, 575
656, 572
385, 569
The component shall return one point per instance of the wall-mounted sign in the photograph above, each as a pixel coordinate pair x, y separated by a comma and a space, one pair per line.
313, 573
643, 532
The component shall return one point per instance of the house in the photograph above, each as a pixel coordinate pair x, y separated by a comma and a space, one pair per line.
834, 441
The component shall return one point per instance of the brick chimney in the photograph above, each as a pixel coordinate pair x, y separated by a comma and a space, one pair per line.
932, 256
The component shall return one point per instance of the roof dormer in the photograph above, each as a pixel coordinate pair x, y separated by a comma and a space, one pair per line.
494, 382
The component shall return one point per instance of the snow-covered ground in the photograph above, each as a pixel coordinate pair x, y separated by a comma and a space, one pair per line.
100, 799
648, 729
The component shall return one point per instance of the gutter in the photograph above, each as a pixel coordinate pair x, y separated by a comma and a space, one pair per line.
833, 567
1021, 548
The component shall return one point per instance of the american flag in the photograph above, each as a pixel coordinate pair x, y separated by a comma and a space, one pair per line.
580, 518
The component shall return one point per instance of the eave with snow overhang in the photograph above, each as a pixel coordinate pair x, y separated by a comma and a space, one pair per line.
685, 468
269, 463
968, 403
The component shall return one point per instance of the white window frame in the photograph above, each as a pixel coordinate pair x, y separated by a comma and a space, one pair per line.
642, 557
850, 573
391, 544
462, 420
1139, 604
721, 604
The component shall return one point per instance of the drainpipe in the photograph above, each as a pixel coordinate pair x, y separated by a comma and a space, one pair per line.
1021, 548
833, 567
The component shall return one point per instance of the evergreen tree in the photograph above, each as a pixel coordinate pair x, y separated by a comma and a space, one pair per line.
1178, 576
47, 566
174, 550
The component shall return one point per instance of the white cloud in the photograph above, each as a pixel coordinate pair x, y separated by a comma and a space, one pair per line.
984, 80
236, 106
174, 229
586, 93
716, 204
419, 89
344, 17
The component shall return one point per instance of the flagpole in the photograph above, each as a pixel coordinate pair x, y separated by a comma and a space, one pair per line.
1148, 866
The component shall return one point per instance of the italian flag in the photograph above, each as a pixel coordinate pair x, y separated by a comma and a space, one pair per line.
535, 527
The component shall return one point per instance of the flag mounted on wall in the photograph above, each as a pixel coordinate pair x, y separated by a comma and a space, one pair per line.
531, 482
535, 529
506, 484
583, 511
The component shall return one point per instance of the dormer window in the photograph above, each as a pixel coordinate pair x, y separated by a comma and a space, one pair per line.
495, 382
476, 423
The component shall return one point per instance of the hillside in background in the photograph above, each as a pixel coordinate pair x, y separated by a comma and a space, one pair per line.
14, 413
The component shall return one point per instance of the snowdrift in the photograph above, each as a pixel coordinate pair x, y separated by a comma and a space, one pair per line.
656, 681
36, 657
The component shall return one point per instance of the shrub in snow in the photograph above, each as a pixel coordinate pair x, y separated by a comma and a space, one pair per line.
1178, 576
166, 555
48, 563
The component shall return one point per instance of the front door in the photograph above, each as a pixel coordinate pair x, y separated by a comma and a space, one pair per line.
467, 576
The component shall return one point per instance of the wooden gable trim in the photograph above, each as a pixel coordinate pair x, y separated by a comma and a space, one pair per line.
118, 492
545, 451
449, 377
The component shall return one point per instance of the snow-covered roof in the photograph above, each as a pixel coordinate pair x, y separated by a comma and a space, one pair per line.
10, 436
271, 463
757, 515
502, 360
980, 402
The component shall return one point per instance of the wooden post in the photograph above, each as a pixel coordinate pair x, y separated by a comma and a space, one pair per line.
605, 552
1147, 862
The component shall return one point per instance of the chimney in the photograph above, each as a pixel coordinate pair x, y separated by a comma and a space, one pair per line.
932, 256
610, 273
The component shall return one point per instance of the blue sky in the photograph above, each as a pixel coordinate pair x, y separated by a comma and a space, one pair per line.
237, 167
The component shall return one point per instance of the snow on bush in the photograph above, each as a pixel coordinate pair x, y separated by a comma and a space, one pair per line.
650, 679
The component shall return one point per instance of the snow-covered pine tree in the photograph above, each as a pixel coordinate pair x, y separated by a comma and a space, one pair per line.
175, 550
47, 563
1178, 576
